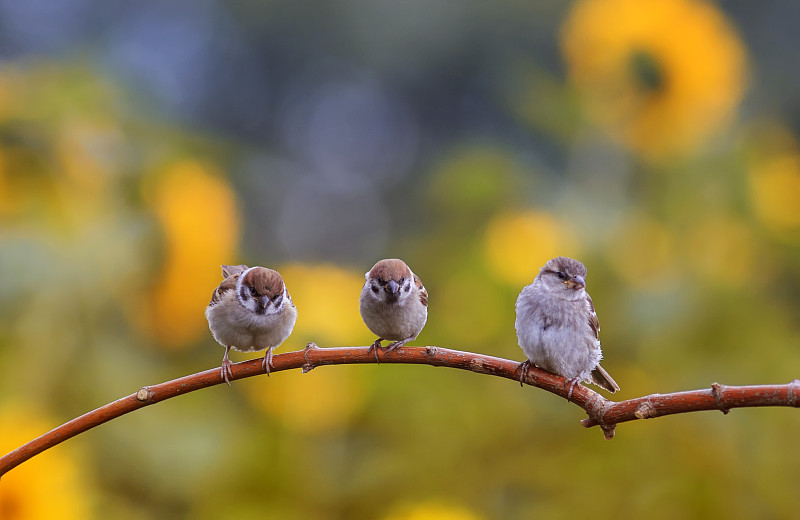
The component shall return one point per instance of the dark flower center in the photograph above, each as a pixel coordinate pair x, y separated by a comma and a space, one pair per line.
647, 71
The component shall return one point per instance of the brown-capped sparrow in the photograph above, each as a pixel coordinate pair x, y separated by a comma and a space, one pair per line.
394, 304
557, 326
251, 310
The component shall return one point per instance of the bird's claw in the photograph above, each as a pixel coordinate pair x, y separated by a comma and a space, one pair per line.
571, 382
523, 371
391, 347
374, 348
267, 361
226, 372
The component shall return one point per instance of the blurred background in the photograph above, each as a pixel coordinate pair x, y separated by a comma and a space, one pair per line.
143, 144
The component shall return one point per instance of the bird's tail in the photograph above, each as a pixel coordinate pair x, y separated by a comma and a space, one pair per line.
601, 378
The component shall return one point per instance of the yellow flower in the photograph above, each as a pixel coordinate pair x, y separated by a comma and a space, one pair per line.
660, 75
49, 485
197, 212
775, 192
327, 398
326, 297
517, 244
432, 510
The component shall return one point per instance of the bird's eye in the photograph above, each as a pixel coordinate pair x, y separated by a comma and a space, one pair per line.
253, 291
561, 275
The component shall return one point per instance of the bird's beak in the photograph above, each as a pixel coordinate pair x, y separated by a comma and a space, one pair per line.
577, 283
392, 287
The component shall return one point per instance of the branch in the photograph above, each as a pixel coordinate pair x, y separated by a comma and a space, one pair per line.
602, 412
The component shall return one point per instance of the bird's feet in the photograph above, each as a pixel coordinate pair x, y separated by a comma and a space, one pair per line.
374, 348
391, 347
267, 361
523, 371
227, 374
571, 383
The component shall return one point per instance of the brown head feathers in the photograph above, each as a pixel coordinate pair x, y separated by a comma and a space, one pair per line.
390, 269
265, 282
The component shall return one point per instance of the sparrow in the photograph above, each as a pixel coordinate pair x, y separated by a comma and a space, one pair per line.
393, 304
251, 310
557, 326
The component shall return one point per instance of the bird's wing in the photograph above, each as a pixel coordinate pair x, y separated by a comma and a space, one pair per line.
423, 293
228, 284
594, 323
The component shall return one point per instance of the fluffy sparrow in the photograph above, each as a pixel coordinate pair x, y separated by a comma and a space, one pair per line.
557, 326
394, 304
251, 310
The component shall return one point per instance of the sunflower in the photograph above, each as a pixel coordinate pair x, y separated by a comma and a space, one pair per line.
661, 76
196, 210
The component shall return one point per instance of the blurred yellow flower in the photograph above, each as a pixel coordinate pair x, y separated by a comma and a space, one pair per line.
50, 485
723, 250
642, 252
660, 75
431, 510
326, 297
775, 192
196, 209
322, 400
517, 244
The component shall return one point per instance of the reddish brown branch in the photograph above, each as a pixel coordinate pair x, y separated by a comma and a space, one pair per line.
602, 412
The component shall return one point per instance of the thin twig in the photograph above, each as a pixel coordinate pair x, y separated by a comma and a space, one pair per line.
602, 412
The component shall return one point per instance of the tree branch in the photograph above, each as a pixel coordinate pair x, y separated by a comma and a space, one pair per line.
602, 412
